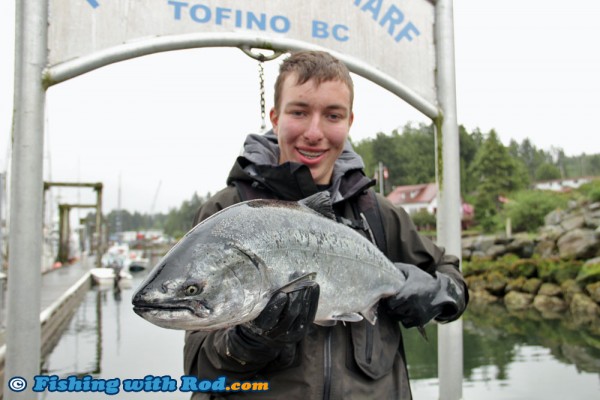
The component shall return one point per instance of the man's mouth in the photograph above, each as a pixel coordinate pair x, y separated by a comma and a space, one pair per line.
311, 154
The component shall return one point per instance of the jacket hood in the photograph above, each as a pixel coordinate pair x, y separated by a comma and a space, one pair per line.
260, 163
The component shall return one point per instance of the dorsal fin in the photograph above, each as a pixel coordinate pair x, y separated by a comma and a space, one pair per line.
321, 203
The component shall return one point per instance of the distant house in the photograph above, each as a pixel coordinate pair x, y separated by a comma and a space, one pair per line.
414, 198
563, 185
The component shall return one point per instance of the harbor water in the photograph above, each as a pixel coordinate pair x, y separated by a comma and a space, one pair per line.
506, 356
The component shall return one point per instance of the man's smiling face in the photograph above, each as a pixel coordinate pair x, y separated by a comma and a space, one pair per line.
312, 124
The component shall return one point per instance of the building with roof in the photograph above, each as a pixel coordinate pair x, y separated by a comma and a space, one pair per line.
415, 198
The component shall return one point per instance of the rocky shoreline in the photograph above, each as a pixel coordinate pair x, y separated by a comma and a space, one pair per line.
555, 272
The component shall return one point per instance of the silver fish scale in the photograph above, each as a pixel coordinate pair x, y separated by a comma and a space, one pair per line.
292, 241
237, 258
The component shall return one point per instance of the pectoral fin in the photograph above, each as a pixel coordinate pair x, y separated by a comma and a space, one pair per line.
347, 317
423, 332
370, 314
299, 283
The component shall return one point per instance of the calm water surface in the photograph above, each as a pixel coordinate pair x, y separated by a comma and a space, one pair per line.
507, 357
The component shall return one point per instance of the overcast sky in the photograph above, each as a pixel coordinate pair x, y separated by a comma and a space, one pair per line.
171, 124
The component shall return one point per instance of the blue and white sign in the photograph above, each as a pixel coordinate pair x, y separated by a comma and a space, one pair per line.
395, 37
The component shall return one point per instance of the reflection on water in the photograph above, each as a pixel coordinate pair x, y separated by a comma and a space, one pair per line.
507, 356
514, 356
107, 340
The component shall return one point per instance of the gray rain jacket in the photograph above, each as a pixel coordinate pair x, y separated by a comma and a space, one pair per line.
346, 361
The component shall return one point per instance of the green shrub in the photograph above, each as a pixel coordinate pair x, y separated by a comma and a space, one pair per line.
591, 190
589, 273
557, 270
423, 219
476, 266
569, 270
528, 208
526, 268
594, 194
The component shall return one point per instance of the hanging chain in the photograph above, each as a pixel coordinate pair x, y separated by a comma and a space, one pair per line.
261, 78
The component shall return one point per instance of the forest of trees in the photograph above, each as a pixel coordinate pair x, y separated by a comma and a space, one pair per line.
488, 169
175, 223
409, 156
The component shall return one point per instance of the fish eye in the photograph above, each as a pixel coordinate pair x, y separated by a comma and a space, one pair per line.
192, 290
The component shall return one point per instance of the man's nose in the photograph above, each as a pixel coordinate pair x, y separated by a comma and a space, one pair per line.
314, 130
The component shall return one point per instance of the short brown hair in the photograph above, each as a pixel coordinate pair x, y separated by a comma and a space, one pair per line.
318, 65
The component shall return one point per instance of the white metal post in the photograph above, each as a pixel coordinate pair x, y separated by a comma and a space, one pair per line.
380, 178
25, 239
450, 338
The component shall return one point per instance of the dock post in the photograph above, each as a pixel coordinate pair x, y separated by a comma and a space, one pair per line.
23, 332
450, 336
100, 241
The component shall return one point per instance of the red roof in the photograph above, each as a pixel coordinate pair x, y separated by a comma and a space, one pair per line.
423, 193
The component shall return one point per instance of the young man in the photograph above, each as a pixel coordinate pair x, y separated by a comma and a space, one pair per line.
308, 151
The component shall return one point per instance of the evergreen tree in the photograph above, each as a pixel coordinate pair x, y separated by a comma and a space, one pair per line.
469, 143
495, 173
546, 172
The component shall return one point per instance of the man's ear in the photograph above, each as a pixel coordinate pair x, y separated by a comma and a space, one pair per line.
274, 116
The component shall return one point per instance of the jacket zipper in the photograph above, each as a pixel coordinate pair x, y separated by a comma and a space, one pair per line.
327, 365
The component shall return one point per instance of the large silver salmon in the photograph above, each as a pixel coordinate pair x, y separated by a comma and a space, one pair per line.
225, 270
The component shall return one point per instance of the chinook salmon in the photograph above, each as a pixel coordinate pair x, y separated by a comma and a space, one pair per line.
224, 271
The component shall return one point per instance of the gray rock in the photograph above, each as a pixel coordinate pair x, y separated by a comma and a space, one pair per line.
532, 285
592, 261
551, 232
570, 288
466, 253
518, 300
496, 283
481, 297
554, 217
468, 242
594, 290
550, 289
545, 248
521, 245
578, 243
573, 221
477, 254
592, 219
515, 284
483, 243
495, 251
476, 283
549, 304
584, 306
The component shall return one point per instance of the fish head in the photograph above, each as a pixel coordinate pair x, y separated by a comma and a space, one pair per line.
202, 286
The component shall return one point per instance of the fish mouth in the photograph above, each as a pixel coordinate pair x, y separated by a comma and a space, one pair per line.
200, 311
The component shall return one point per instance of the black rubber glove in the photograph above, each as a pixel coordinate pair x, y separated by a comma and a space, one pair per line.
425, 297
284, 321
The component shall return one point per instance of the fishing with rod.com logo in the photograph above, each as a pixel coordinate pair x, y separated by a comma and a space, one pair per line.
150, 383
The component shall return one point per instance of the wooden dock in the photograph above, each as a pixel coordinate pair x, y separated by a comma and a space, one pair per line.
63, 290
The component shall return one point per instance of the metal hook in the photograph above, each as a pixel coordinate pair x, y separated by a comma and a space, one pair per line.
260, 56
